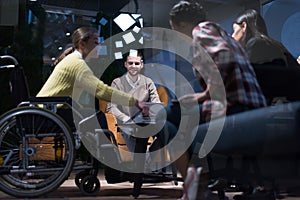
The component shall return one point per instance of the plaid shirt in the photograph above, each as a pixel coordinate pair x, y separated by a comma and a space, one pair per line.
228, 60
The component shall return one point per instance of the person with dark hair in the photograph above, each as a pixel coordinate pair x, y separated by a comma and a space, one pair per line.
142, 88
136, 84
267, 55
73, 67
230, 61
249, 29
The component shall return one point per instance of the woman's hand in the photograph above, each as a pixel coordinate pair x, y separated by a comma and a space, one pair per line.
144, 108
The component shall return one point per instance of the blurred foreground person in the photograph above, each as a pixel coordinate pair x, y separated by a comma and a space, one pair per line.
230, 62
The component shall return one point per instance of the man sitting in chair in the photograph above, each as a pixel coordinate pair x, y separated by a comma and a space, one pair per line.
139, 86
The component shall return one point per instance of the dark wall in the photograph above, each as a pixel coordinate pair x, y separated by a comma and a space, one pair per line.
27, 48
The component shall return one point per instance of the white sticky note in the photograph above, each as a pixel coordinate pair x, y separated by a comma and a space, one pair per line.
129, 38
133, 53
136, 29
118, 55
141, 40
119, 44
124, 21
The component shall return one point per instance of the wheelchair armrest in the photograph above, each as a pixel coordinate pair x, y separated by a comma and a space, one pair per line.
50, 101
53, 103
58, 100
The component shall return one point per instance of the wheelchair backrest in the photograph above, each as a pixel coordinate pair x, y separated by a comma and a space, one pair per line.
18, 85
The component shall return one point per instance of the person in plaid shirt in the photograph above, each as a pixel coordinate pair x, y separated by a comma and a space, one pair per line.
230, 61
218, 62
241, 87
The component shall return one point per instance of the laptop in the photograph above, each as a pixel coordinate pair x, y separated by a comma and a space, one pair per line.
154, 109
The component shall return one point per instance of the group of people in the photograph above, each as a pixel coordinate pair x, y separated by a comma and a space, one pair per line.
233, 55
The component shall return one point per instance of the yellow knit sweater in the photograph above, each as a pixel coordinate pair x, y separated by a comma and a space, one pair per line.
72, 76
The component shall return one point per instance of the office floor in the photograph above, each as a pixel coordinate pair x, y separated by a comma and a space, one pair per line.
290, 190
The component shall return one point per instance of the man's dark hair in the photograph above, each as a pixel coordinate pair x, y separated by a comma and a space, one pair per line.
140, 53
185, 11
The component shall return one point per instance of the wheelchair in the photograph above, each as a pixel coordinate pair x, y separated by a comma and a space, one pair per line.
40, 145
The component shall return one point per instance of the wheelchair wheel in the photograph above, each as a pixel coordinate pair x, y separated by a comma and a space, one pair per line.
80, 176
36, 152
89, 185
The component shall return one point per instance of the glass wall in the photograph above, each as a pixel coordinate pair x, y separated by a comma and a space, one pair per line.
283, 22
